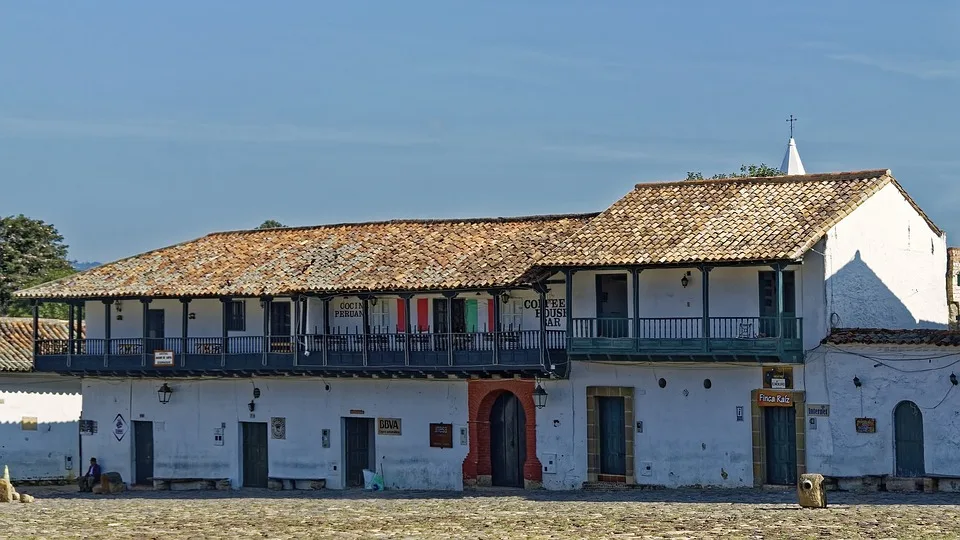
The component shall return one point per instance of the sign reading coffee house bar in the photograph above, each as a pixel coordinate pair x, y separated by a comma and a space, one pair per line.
773, 398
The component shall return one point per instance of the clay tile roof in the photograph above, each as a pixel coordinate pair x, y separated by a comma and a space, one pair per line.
403, 255
728, 220
16, 340
882, 336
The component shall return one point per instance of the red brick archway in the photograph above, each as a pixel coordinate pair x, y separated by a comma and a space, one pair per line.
481, 395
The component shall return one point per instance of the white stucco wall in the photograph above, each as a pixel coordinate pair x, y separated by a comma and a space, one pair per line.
47, 452
917, 374
885, 267
686, 440
184, 427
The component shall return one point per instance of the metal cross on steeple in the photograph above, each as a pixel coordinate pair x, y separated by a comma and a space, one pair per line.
791, 120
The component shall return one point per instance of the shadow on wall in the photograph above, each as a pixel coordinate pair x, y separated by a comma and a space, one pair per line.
860, 299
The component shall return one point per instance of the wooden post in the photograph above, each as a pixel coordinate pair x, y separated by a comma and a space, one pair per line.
106, 330
184, 329
326, 328
705, 290
406, 329
542, 290
295, 305
449, 323
70, 338
81, 337
225, 335
496, 326
778, 268
145, 313
36, 328
266, 302
365, 303
568, 285
635, 277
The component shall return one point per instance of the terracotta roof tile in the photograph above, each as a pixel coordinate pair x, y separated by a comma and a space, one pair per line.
739, 219
16, 340
882, 336
383, 256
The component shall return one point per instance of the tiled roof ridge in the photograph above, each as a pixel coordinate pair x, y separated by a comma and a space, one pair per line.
424, 221
893, 336
784, 179
8, 319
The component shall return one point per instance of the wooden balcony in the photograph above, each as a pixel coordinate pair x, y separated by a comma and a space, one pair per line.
685, 339
504, 353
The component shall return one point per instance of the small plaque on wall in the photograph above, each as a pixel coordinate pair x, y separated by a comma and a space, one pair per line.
866, 425
441, 435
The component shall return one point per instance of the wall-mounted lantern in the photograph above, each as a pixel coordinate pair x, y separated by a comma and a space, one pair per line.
953, 379
856, 382
251, 405
164, 393
505, 297
192, 316
540, 397
685, 280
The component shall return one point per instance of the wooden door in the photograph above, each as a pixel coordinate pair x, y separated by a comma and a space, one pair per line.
613, 437
255, 465
155, 323
280, 327
507, 442
768, 304
908, 439
612, 318
357, 449
780, 425
143, 452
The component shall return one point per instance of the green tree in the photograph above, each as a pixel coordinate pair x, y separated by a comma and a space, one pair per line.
746, 171
271, 224
31, 252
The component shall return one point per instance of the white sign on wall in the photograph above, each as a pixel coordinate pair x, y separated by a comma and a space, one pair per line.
162, 358
554, 311
778, 384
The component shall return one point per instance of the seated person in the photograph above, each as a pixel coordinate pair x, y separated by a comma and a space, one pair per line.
92, 477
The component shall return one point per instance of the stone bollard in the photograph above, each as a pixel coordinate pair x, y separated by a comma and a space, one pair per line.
24, 498
6, 491
275, 484
811, 492
224, 485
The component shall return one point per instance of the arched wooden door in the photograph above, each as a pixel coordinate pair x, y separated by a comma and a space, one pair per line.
908, 439
507, 441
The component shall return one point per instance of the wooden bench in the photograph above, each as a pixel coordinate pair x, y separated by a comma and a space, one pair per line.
189, 484
278, 483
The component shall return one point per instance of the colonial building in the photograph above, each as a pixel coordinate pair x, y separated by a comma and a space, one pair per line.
39, 412
953, 286
663, 339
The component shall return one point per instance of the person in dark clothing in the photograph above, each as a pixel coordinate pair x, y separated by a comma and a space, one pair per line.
92, 477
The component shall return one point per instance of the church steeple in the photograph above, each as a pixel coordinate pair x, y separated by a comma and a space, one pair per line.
791, 159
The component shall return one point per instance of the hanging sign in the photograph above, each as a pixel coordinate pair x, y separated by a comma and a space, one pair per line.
119, 427
441, 435
774, 398
388, 426
163, 358
866, 425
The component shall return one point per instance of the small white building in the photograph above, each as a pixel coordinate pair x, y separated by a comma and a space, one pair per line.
884, 403
667, 333
39, 412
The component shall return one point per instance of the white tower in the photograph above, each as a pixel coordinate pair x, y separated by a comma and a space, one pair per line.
791, 159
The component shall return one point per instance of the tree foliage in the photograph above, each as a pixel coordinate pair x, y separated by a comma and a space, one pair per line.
271, 224
746, 171
31, 252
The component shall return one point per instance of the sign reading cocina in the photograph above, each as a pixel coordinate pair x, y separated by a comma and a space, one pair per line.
388, 426
773, 398
162, 358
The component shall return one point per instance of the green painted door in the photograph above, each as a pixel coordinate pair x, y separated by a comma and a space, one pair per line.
613, 437
768, 305
780, 425
908, 439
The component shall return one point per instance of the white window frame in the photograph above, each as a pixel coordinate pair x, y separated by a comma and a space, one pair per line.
380, 316
511, 315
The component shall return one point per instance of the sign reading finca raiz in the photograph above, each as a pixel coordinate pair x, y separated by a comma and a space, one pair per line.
773, 398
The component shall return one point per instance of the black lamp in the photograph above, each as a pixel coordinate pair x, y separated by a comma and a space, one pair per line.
856, 382
164, 393
684, 281
540, 397
251, 405
953, 379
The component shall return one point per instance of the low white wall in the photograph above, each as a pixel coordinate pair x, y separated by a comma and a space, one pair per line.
42, 453
687, 440
835, 448
184, 428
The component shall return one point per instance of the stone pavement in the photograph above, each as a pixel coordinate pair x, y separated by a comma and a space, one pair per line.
673, 514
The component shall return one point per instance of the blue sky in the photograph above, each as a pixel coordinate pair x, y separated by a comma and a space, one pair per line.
133, 126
